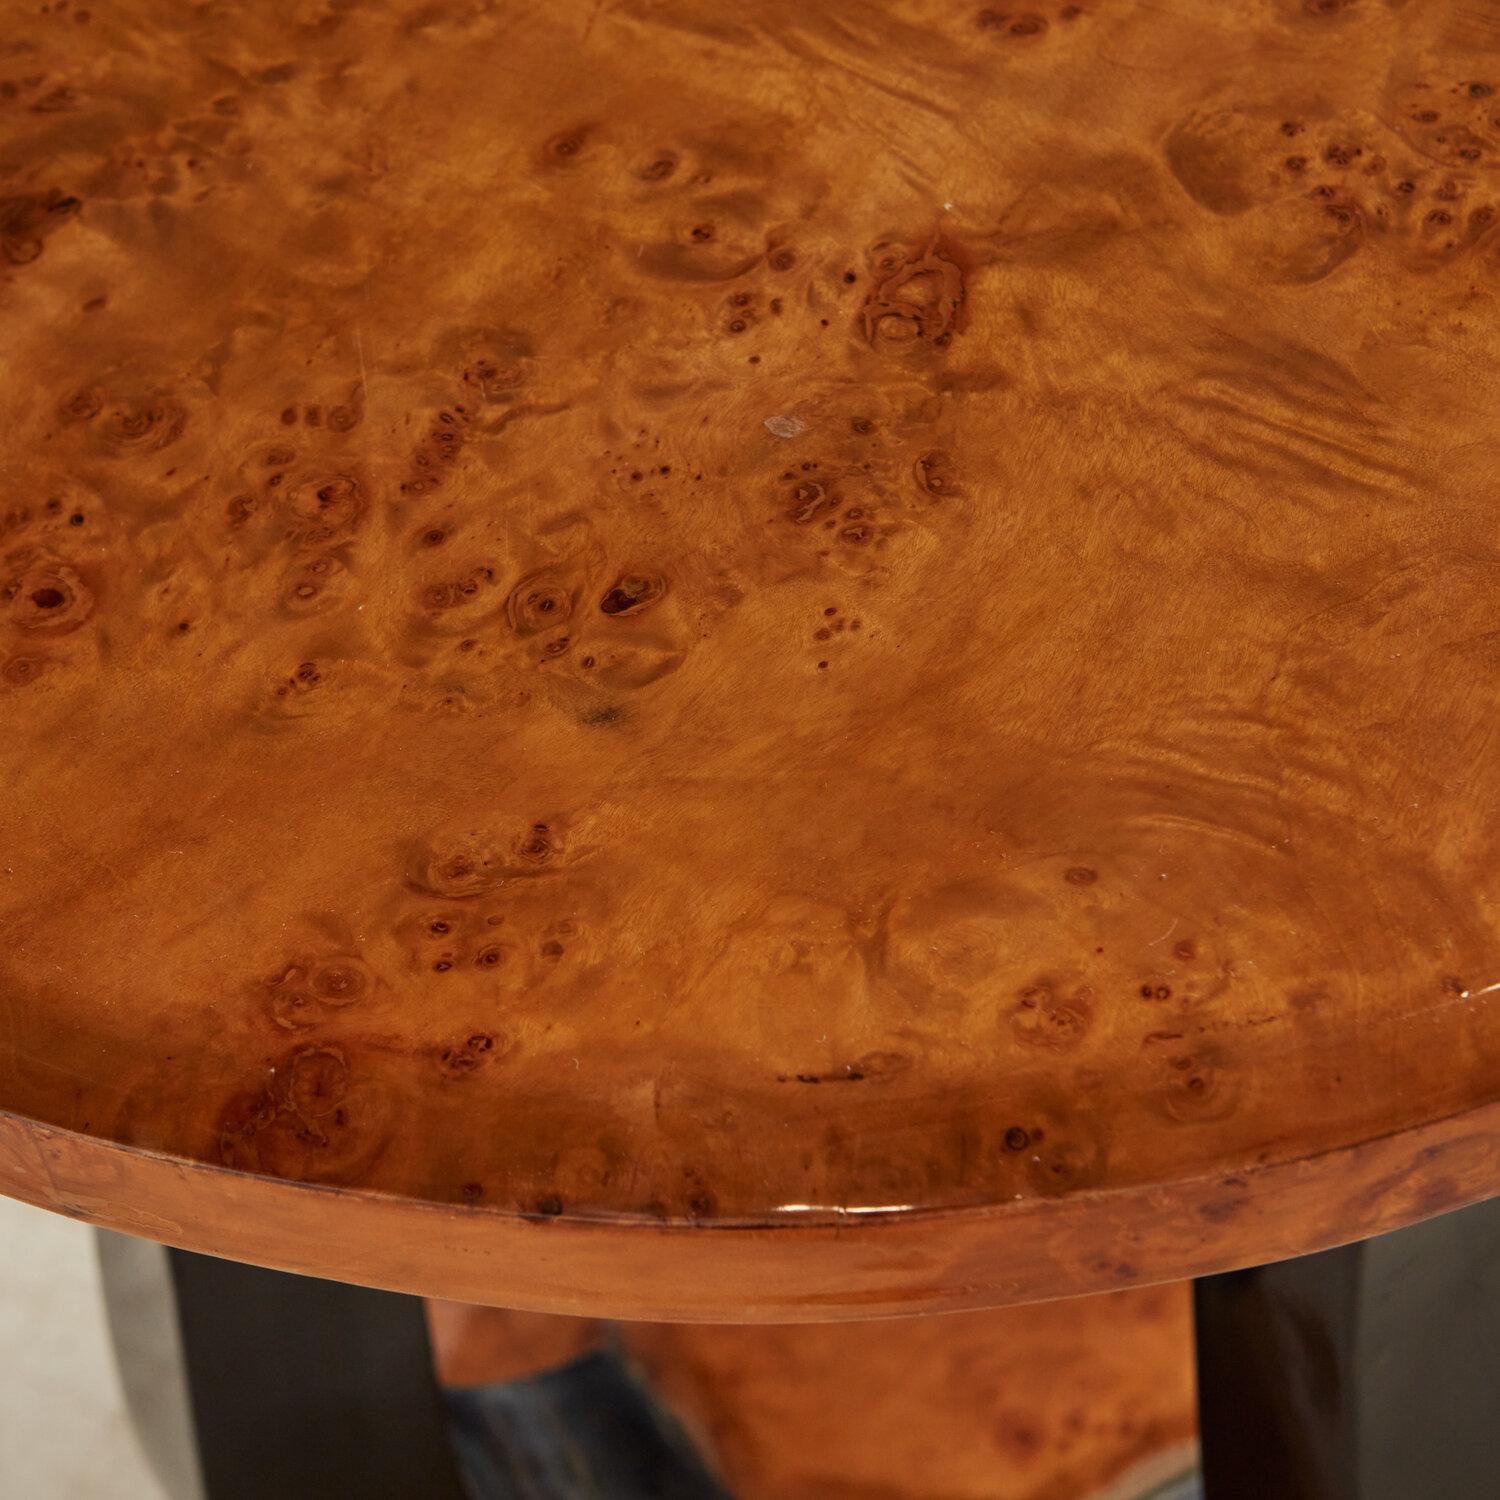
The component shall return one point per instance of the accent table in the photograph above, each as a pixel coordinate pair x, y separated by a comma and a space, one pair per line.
770, 663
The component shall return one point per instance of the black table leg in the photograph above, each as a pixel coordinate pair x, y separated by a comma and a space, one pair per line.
247, 1384
294, 1388
1370, 1372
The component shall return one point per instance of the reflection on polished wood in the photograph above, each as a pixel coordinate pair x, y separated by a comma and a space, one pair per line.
760, 661
1091, 1396
490, 1345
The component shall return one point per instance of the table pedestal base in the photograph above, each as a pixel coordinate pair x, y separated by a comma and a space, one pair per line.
1366, 1373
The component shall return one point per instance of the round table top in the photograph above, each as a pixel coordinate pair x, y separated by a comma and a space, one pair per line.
765, 660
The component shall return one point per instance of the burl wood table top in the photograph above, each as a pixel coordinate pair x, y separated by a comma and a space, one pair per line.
776, 659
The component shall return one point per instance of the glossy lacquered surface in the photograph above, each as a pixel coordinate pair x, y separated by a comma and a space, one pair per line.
771, 660
1090, 1396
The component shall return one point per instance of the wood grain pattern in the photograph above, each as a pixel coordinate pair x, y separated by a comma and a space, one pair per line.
866, 628
1090, 1397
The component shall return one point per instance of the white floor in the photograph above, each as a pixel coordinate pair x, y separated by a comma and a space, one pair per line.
64, 1434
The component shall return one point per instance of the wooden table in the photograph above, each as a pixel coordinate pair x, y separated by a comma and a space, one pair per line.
749, 663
